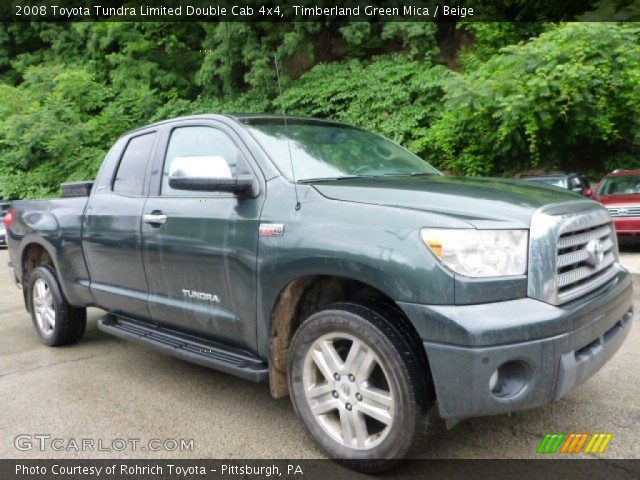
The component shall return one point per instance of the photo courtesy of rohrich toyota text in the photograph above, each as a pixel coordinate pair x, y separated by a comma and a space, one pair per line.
319, 239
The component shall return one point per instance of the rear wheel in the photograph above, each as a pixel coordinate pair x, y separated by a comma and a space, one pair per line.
56, 321
358, 386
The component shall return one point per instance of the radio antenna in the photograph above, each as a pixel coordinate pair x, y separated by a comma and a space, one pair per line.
286, 132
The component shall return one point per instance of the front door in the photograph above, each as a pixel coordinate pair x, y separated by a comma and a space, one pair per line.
200, 248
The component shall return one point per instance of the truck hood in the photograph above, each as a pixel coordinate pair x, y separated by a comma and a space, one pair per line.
481, 202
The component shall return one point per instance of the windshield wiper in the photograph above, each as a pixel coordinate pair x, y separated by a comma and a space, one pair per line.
412, 174
329, 179
348, 177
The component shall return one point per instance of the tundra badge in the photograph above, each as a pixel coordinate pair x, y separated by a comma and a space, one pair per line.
207, 297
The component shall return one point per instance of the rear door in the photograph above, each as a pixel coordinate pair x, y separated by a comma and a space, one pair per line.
111, 230
200, 257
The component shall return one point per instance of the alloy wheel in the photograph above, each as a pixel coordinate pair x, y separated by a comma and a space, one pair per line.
43, 307
348, 391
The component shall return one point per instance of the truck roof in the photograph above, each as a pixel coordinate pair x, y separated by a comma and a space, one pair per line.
240, 118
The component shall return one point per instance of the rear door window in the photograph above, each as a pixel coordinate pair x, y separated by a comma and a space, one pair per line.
129, 179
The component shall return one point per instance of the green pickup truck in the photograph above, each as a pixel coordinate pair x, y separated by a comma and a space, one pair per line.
337, 266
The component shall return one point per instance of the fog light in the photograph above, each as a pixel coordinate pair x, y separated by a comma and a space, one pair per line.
509, 379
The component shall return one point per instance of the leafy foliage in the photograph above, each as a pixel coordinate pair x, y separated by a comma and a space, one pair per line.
566, 99
393, 96
519, 96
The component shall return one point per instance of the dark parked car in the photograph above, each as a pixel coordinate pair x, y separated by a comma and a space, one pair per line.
576, 182
619, 192
337, 266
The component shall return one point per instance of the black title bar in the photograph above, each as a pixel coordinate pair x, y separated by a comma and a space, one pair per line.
319, 10
164, 469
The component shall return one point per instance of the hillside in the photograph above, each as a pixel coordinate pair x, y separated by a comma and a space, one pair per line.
475, 99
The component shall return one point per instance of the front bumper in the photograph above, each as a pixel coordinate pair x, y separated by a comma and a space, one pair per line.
543, 351
627, 225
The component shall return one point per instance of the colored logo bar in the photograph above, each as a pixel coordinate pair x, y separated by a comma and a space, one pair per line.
574, 443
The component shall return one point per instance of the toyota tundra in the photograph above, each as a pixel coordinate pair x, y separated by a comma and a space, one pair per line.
335, 265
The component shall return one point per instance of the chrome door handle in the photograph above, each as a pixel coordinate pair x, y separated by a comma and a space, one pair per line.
154, 218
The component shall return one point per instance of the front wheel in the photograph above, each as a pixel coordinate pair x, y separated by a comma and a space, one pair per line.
357, 386
56, 321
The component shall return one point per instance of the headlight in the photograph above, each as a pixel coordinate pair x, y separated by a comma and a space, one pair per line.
479, 253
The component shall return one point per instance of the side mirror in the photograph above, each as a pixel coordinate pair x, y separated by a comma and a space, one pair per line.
208, 174
587, 192
240, 185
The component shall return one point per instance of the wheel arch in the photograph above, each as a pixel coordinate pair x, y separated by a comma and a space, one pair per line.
66, 258
303, 296
33, 254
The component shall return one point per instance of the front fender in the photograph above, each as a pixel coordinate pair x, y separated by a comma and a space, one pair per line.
376, 245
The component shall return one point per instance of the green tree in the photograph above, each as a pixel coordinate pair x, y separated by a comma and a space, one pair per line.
564, 100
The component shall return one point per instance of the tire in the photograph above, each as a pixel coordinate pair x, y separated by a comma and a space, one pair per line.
334, 409
69, 322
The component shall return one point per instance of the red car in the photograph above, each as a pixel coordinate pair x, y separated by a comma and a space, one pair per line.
619, 192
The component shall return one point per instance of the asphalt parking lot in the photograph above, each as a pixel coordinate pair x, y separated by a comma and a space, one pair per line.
103, 388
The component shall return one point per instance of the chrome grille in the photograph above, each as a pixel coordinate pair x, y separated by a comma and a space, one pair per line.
572, 251
624, 211
586, 259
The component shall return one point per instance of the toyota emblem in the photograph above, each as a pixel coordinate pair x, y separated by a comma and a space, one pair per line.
595, 249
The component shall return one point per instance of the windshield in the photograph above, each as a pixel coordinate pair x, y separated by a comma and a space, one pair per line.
327, 151
622, 185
